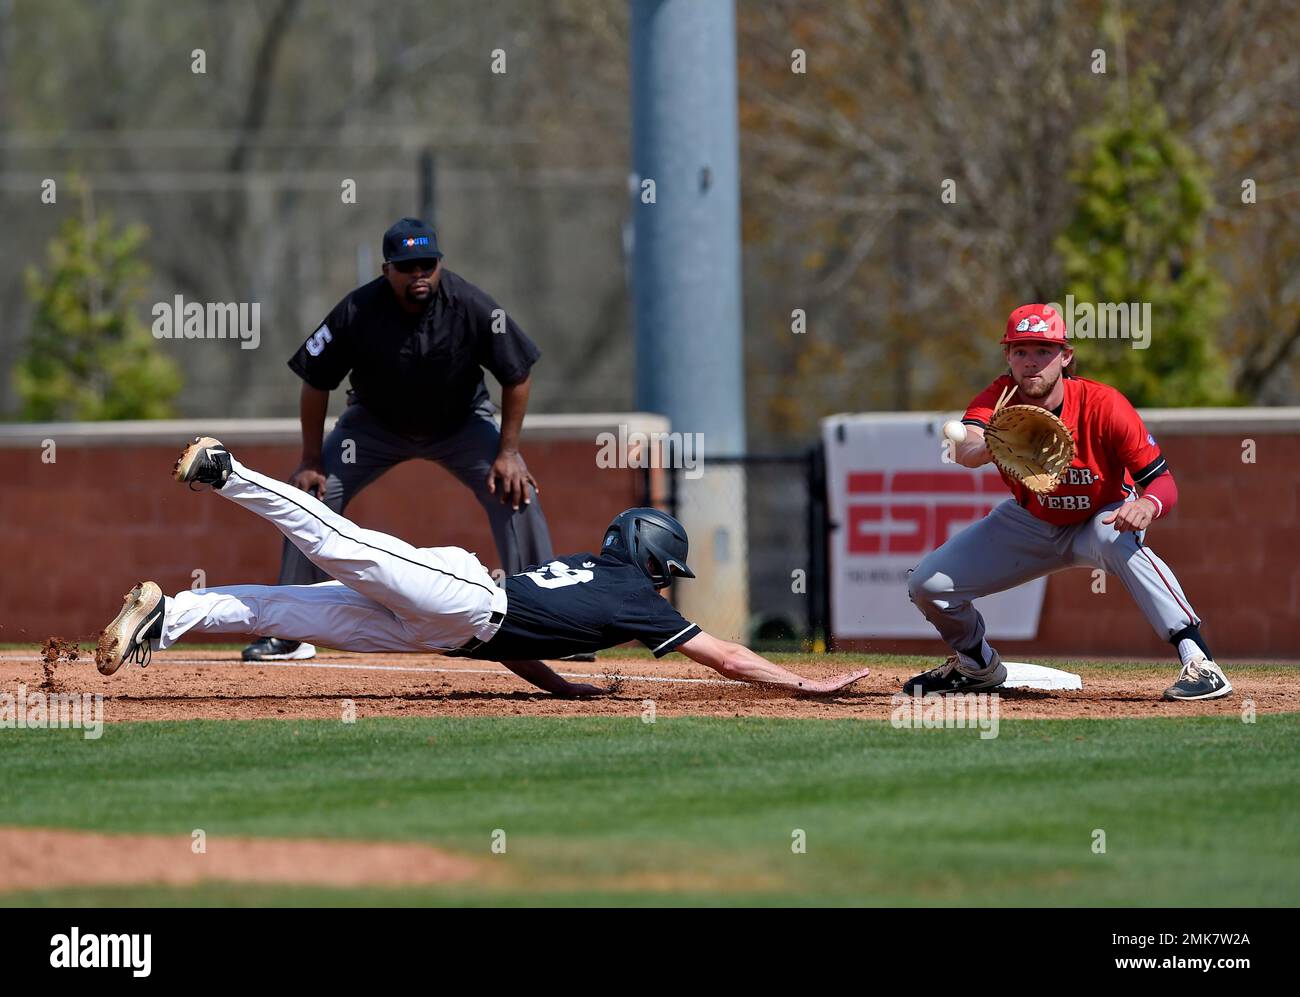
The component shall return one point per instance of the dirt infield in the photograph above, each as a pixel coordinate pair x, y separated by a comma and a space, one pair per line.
44, 858
193, 683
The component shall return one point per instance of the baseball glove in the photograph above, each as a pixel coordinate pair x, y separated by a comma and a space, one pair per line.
1029, 443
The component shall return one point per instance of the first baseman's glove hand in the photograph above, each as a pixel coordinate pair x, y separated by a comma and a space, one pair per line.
1029, 443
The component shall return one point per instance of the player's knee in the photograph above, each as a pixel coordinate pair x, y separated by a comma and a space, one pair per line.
925, 587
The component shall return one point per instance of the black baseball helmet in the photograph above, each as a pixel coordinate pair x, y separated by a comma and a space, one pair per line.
652, 540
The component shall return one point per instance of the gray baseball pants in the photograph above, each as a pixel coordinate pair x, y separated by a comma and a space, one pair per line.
1011, 546
360, 448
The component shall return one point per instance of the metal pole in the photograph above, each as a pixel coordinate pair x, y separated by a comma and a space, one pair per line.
686, 290
818, 551
686, 210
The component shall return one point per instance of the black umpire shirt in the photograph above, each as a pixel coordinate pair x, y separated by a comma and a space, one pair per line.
421, 374
582, 603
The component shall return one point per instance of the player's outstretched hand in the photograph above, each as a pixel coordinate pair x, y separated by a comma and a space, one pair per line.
1132, 516
582, 690
822, 687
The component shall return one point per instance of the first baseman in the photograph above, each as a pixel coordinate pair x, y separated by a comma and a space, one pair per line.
389, 596
1096, 516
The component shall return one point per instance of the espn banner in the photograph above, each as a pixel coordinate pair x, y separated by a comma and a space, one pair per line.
893, 499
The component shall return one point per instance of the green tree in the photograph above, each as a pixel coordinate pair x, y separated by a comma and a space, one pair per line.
89, 356
1137, 235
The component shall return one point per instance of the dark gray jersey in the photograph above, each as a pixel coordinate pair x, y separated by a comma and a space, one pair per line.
583, 603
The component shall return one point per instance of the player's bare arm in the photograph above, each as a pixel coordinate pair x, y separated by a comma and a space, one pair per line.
972, 451
509, 475
735, 661
540, 674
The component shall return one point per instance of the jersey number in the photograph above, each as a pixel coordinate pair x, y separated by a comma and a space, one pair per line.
558, 575
316, 343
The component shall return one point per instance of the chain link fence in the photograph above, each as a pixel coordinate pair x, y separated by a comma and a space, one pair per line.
780, 515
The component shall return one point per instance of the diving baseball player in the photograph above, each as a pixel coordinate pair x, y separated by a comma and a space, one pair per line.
389, 596
1095, 516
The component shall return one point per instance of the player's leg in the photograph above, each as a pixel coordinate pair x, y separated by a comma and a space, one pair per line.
327, 613
1006, 548
522, 537
330, 613
352, 456
442, 593
1155, 589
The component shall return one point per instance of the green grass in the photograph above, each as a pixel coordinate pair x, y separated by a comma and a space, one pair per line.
1195, 810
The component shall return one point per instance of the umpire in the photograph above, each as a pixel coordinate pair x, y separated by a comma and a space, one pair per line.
415, 342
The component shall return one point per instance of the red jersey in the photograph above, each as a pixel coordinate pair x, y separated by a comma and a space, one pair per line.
1113, 450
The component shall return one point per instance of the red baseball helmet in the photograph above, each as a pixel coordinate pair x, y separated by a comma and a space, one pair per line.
1035, 324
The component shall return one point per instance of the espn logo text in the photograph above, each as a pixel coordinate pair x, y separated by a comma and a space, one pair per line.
913, 512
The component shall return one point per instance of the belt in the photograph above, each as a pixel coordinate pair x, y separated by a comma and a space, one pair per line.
474, 643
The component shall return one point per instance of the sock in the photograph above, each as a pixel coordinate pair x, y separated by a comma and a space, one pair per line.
1189, 642
155, 632
980, 653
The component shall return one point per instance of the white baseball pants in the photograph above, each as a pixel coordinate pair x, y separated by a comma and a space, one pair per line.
387, 596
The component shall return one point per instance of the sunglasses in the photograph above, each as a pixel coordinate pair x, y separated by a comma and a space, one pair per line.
411, 266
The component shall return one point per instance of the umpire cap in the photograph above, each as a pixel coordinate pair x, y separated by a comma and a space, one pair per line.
410, 239
652, 540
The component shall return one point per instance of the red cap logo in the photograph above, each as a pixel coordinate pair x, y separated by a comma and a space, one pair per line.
1035, 324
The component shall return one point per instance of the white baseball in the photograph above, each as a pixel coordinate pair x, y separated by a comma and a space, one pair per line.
955, 430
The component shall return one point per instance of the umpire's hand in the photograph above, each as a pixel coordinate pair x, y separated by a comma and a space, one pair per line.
310, 479
510, 477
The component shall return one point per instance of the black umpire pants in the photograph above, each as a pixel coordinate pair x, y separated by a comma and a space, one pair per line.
360, 448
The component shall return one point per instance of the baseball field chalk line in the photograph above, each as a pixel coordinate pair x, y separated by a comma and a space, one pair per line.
430, 671
486, 671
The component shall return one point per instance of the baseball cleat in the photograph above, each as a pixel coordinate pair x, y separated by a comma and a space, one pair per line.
1200, 678
130, 633
275, 649
205, 461
954, 676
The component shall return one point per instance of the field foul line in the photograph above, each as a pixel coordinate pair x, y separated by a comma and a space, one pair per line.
500, 671
434, 671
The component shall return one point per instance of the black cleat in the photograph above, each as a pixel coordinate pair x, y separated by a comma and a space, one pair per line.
1200, 678
205, 461
580, 656
954, 676
130, 633
275, 649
